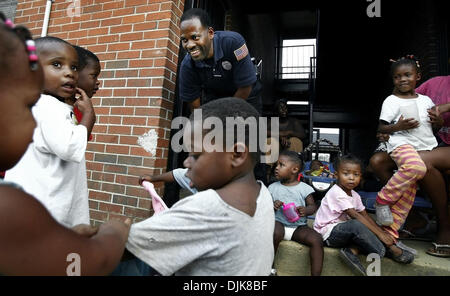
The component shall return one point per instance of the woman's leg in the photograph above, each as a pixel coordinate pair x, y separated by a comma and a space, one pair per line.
400, 191
382, 166
433, 183
312, 239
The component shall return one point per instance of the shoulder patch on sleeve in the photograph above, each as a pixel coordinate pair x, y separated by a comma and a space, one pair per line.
241, 52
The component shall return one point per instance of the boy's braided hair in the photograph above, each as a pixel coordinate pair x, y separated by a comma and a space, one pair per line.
405, 60
24, 34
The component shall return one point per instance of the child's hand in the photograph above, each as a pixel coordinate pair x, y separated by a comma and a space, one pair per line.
386, 239
435, 116
301, 211
406, 124
85, 229
284, 141
277, 204
145, 178
83, 103
382, 137
117, 226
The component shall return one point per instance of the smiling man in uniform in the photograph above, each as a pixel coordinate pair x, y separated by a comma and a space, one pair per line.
218, 63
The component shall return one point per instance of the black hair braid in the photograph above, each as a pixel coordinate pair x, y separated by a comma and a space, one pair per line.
24, 34
405, 60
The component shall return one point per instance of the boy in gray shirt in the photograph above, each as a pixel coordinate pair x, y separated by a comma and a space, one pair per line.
224, 229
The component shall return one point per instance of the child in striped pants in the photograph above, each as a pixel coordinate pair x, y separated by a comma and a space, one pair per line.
404, 115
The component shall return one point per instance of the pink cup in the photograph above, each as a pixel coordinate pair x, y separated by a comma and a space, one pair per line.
290, 211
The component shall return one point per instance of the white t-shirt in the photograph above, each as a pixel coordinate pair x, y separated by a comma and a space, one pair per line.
203, 235
422, 137
53, 169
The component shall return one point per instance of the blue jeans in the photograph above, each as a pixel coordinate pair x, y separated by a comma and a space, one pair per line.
134, 267
354, 232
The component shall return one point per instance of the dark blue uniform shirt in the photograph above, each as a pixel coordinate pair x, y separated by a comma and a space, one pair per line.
221, 76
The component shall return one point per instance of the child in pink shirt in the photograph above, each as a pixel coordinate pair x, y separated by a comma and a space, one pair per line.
343, 221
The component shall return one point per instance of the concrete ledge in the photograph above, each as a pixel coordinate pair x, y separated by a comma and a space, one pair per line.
292, 259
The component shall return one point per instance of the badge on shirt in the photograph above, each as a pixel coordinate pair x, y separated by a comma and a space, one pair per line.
227, 65
241, 52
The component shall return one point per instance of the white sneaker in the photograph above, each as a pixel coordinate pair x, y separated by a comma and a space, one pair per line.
384, 215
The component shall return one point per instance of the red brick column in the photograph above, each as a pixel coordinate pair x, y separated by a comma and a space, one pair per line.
137, 42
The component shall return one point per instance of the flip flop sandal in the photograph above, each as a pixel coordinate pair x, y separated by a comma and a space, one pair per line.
439, 250
405, 257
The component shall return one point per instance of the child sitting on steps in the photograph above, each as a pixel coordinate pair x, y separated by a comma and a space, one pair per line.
287, 190
343, 221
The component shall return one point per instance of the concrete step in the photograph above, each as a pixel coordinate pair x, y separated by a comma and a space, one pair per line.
292, 259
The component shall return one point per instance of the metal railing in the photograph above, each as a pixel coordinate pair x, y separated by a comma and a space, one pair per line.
293, 62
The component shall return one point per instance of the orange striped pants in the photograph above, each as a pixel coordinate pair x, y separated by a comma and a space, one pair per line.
400, 191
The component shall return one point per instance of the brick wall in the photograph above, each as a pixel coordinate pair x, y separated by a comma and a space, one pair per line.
137, 42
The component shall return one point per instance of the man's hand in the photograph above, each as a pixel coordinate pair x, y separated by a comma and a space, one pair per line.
285, 143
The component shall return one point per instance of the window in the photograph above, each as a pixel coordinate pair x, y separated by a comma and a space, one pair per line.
331, 134
296, 58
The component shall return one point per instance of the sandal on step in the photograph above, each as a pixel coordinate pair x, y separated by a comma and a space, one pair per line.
439, 250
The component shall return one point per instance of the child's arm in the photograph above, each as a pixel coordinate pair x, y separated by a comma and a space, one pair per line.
84, 104
401, 125
166, 177
33, 243
310, 208
369, 223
